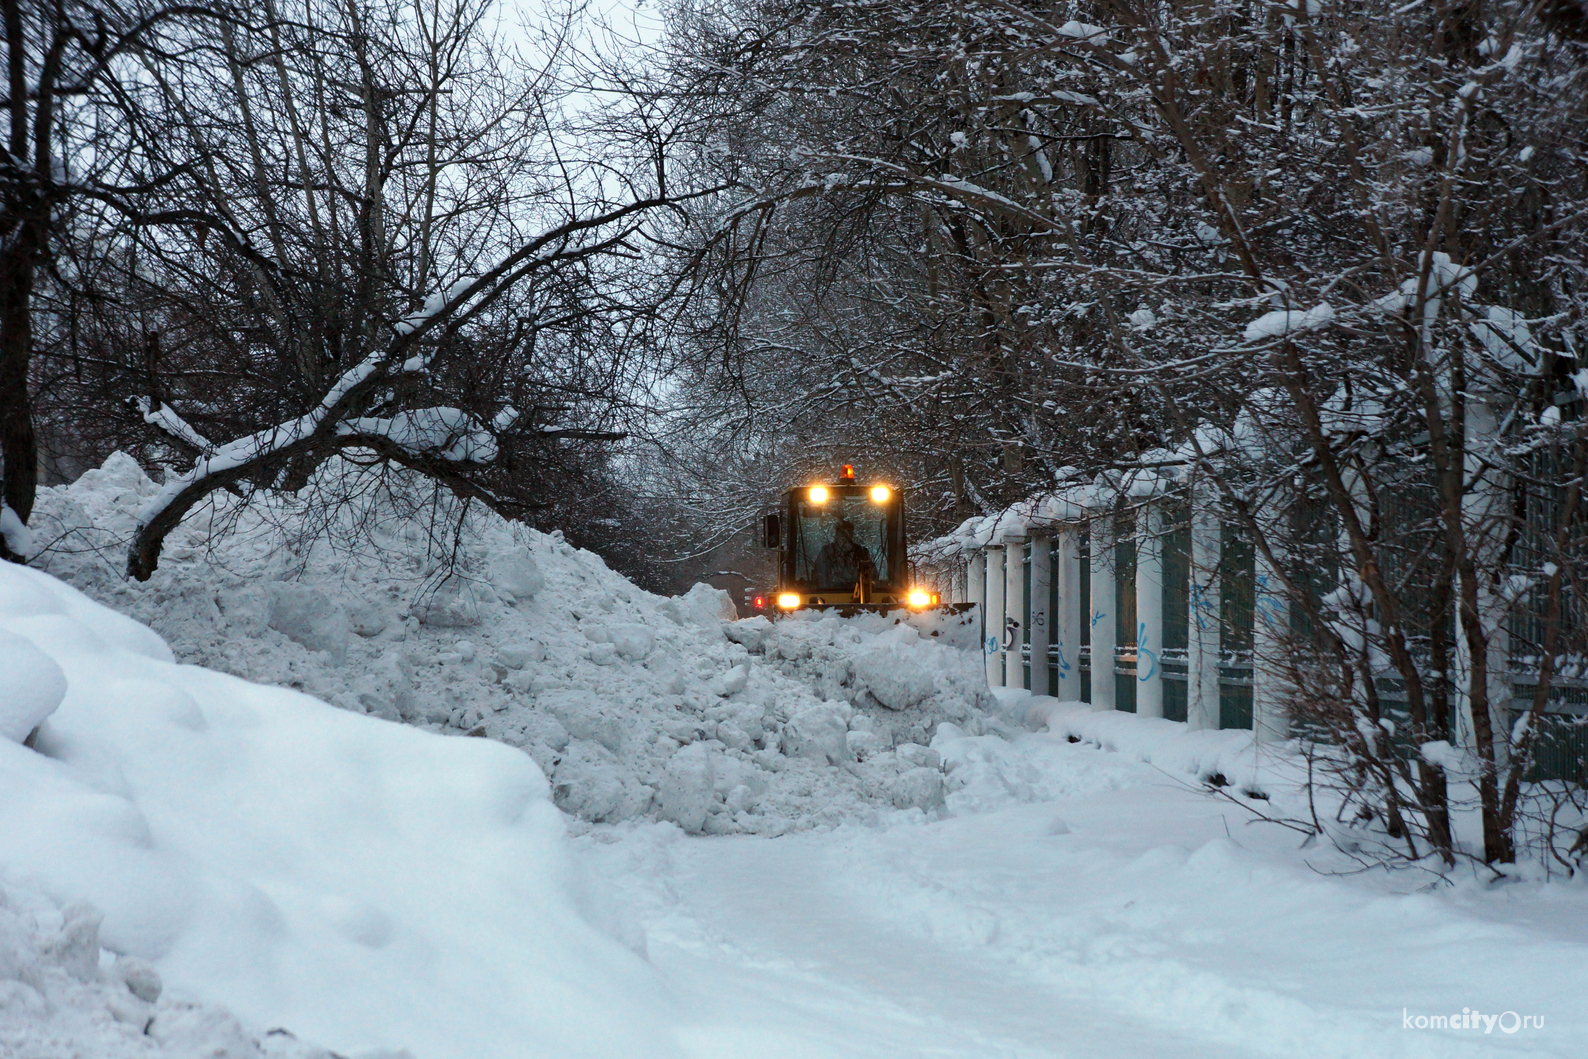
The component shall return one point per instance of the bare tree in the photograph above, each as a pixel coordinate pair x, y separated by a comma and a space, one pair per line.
73, 100
415, 259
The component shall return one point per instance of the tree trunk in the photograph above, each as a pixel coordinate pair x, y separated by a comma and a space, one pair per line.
18, 443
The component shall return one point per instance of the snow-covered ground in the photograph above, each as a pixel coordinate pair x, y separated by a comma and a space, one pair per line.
746, 846
1123, 914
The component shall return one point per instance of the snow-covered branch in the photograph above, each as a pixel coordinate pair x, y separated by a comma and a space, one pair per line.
166, 419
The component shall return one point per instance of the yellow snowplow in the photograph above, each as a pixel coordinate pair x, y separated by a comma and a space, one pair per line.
841, 546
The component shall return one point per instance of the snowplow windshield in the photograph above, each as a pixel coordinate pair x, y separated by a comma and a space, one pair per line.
832, 540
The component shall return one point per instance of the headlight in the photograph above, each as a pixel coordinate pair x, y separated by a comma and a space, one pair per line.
818, 494
879, 494
788, 601
919, 598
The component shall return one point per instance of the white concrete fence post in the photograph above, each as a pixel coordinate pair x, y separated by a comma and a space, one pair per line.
1483, 516
1041, 621
1101, 611
1067, 619
1203, 635
1014, 613
1149, 612
976, 589
993, 630
1270, 639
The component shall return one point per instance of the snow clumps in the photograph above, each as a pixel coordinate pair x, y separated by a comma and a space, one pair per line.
635, 706
62, 996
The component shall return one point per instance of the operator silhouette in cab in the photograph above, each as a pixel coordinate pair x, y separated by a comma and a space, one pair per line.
840, 560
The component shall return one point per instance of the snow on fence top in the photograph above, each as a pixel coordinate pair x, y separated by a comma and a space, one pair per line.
1154, 473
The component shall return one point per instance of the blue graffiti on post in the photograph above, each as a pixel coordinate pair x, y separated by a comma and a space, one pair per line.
1143, 650
1201, 604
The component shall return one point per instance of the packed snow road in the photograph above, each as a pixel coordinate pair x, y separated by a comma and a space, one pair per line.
1133, 916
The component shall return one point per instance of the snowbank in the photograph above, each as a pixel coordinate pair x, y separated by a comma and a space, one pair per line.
62, 997
634, 705
984, 773
1221, 756
366, 884
31, 687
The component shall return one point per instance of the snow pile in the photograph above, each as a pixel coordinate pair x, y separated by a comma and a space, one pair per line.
984, 773
31, 687
1128, 914
1229, 755
62, 996
634, 705
369, 885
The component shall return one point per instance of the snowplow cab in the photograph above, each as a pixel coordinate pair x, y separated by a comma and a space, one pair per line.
841, 545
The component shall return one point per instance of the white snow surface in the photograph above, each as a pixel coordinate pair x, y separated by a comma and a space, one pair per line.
267, 862
1086, 897
63, 997
793, 724
31, 687
365, 884
1029, 880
